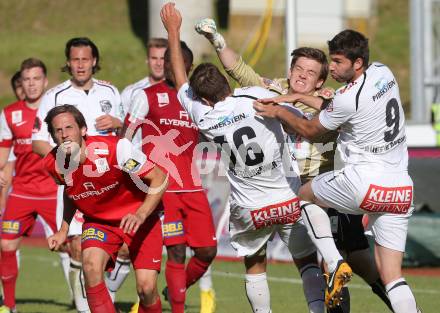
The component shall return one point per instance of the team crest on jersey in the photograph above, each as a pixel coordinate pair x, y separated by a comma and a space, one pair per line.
37, 125
102, 165
172, 229
92, 233
163, 99
106, 106
17, 116
11, 227
132, 166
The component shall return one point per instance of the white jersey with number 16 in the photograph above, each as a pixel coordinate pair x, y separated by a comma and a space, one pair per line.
257, 156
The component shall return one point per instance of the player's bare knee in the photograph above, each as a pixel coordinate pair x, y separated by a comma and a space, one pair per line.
177, 253
205, 254
147, 291
75, 248
93, 272
10, 245
123, 253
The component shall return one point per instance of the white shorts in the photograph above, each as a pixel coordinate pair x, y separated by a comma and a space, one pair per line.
75, 228
250, 230
385, 196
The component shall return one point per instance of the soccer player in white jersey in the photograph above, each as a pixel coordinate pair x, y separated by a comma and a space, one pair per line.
263, 185
374, 180
100, 103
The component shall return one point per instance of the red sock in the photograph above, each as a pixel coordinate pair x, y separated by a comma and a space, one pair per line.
175, 277
9, 273
194, 270
99, 299
154, 308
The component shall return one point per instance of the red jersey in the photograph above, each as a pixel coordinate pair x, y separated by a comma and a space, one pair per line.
169, 136
17, 125
102, 188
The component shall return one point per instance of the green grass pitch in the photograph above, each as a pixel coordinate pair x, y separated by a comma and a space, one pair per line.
41, 288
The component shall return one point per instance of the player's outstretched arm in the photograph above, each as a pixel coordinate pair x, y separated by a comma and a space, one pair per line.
231, 61
311, 101
157, 182
172, 20
207, 28
309, 129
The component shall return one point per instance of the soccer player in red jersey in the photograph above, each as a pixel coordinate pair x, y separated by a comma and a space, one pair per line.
33, 191
169, 138
118, 190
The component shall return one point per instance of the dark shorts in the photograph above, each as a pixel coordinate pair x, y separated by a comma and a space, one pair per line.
348, 231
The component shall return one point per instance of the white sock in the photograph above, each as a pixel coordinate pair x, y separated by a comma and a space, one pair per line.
117, 276
257, 291
205, 282
401, 297
313, 286
77, 283
318, 228
65, 264
17, 254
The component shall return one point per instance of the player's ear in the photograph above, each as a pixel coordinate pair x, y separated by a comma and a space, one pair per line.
319, 83
83, 131
358, 64
94, 62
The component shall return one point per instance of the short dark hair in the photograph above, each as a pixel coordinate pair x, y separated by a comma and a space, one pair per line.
187, 54
15, 80
156, 42
81, 42
65, 108
208, 82
313, 54
351, 44
31, 63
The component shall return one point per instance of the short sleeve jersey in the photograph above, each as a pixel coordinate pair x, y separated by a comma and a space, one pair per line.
101, 99
17, 126
105, 186
370, 116
169, 135
129, 92
259, 162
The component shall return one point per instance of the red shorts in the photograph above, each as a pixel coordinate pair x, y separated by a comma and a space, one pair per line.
20, 214
145, 246
188, 220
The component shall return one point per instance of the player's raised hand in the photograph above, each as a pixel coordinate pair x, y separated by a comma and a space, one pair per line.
130, 223
207, 28
270, 110
57, 240
171, 18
